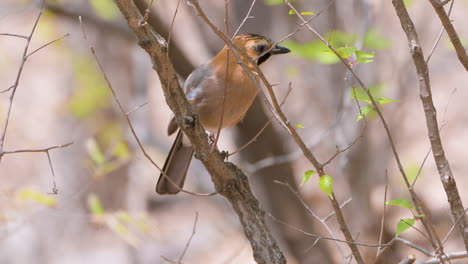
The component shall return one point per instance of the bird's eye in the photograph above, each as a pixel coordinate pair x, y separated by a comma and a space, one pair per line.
260, 48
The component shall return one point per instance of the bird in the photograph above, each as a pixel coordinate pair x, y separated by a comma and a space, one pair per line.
221, 80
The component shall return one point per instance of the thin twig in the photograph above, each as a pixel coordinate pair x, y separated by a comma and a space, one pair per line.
34, 150
46, 151
313, 214
263, 128
346, 202
136, 108
18, 75
144, 21
14, 35
169, 37
327, 238
339, 151
382, 224
226, 81
190, 239
452, 228
442, 163
47, 44
453, 255
440, 130
247, 16
451, 32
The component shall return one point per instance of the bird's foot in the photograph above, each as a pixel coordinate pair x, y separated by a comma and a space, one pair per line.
225, 155
211, 138
189, 121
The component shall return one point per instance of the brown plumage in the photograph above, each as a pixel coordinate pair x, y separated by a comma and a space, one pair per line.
205, 90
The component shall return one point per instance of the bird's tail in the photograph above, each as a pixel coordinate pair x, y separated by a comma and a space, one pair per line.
175, 167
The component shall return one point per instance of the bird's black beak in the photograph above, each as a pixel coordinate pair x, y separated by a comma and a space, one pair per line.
279, 50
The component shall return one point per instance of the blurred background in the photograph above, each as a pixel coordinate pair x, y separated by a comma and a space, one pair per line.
106, 210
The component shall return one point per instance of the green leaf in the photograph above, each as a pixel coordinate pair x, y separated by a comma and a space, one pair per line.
306, 13
299, 126
34, 195
359, 94
364, 61
94, 205
318, 51
105, 9
124, 217
401, 203
375, 41
382, 100
276, 2
90, 92
404, 224
307, 176
344, 52
412, 171
312, 50
121, 150
408, 3
121, 230
449, 44
365, 110
364, 57
326, 185
95, 152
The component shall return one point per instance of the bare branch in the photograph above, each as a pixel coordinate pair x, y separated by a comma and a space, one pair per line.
47, 44
46, 151
34, 150
382, 224
419, 207
444, 18
18, 75
136, 108
14, 35
314, 215
247, 16
454, 255
190, 239
339, 151
443, 166
439, 36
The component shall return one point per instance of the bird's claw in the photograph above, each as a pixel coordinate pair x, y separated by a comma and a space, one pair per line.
189, 121
211, 139
225, 155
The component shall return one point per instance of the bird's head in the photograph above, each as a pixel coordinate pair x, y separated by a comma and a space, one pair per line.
258, 47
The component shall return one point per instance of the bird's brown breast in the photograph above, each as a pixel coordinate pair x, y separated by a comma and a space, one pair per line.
237, 94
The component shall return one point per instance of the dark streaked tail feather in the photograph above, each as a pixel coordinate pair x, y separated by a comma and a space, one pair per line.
175, 167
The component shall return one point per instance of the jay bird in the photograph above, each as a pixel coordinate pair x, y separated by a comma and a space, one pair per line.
207, 89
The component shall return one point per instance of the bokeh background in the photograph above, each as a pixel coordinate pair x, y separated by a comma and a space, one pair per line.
106, 210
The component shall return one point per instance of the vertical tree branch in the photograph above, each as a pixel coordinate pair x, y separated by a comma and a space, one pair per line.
443, 166
461, 52
229, 181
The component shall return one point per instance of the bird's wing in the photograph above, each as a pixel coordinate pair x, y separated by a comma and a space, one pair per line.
196, 79
193, 90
